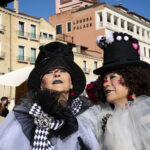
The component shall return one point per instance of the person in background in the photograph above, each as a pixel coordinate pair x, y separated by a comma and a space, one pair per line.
123, 90
3, 106
52, 115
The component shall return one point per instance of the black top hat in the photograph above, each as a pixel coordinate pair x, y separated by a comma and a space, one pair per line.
57, 55
120, 49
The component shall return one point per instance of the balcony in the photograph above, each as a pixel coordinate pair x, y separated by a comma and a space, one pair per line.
2, 55
22, 59
34, 37
65, 37
86, 70
2, 28
32, 60
22, 34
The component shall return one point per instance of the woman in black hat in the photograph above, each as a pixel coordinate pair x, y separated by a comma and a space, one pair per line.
123, 90
52, 116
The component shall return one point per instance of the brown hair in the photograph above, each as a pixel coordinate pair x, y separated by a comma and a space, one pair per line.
136, 78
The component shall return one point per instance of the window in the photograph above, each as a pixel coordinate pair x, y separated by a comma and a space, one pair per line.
122, 23
68, 26
59, 29
33, 55
100, 17
21, 53
148, 35
143, 32
50, 36
130, 26
1, 26
115, 20
144, 51
95, 64
21, 28
33, 31
108, 17
44, 35
137, 30
84, 65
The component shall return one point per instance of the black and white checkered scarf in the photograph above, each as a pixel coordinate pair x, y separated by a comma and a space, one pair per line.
44, 123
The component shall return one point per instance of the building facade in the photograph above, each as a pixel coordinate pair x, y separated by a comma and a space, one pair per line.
82, 25
20, 38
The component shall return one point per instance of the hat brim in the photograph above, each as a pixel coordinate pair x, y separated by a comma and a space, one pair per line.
119, 65
76, 73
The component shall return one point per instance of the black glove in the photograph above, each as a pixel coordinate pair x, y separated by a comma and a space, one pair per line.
82, 145
70, 123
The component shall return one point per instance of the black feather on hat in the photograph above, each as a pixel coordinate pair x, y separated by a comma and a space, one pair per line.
120, 49
57, 55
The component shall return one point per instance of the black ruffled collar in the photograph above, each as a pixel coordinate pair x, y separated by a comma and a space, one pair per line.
27, 122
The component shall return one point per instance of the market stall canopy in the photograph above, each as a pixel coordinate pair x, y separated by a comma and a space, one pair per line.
17, 77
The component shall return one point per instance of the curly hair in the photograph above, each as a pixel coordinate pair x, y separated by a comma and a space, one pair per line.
136, 78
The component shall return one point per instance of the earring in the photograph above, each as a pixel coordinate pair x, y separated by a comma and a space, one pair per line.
130, 97
71, 92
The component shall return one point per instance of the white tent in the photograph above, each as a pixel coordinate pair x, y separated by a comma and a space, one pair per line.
17, 77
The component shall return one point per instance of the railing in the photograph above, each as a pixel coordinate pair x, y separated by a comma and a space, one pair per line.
32, 59
22, 58
86, 70
64, 37
22, 34
32, 36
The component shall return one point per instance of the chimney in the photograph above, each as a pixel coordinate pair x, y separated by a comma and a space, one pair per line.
16, 6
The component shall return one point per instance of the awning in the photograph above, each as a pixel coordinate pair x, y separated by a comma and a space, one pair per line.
17, 77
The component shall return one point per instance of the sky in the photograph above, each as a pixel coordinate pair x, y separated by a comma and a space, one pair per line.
45, 8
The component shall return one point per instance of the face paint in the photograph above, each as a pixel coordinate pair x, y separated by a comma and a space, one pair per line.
105, 81
56, 70
115, 91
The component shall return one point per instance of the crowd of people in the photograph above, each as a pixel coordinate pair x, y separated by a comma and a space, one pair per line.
53, 115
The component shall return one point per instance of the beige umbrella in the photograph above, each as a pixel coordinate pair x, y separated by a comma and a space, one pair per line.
17, 77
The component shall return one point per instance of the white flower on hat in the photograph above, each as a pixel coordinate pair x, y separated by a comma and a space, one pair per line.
109, 37
126, 38
98, 39
119, 38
